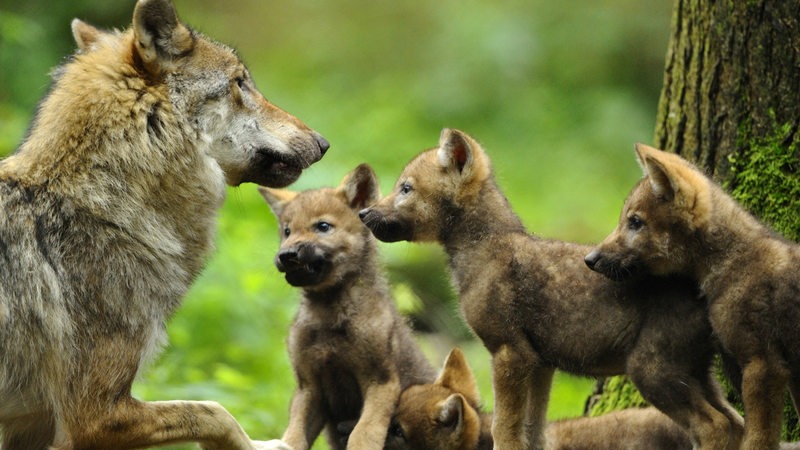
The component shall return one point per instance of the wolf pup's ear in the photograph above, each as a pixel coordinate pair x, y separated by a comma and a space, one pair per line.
675, 179
457, 376
455, 150
276, 198
159, 35
660, 181
460, 153
85, 35
451, 412
360, 187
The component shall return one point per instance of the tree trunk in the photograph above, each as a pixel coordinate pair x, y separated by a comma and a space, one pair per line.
731, 104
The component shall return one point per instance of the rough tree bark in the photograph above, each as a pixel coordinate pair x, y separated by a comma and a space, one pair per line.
731, 103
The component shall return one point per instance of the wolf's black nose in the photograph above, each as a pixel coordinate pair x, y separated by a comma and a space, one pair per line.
323, 143
287, 258
592, 258
363, 213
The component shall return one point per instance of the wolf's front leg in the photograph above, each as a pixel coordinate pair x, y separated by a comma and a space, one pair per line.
274, 444
380, 401
511, 370
135, 424
306, 419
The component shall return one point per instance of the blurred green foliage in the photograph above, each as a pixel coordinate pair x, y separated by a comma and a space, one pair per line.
556, 91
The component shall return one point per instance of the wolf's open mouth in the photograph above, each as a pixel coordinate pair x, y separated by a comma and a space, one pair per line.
308, 274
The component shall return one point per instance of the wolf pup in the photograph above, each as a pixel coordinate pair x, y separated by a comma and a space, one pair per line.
109, 214
537, 307
676, 220
351, 351
446, 415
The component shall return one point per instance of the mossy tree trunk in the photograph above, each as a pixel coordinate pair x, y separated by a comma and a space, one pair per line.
731, 104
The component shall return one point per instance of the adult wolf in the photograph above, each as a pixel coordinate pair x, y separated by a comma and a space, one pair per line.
109, 213
537, 307
677, 220
351, 351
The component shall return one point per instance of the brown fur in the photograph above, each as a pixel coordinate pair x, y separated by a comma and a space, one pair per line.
110, 207
446, 415
537, 307
351, 351
676, 220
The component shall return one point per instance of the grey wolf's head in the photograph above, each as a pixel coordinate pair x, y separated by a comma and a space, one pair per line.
206, 96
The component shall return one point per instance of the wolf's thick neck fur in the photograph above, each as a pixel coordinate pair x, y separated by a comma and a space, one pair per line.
121, 156
468, 225
733, 241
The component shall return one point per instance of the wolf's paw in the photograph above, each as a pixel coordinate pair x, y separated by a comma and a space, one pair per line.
274, 444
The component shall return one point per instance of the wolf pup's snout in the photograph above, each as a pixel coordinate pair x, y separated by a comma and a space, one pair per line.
287, 259
387, 228
592, 258
304, 265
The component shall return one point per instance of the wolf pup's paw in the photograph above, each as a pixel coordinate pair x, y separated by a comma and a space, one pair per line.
274, 444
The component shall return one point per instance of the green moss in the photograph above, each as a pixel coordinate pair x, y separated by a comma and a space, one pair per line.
617, 393
766, 180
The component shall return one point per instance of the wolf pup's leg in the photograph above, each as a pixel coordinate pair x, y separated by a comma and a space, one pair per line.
714, 395
683, 399
380, 401
516, 425
763, 384
540, 381
305, 418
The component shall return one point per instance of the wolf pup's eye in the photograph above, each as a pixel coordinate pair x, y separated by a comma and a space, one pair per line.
397, 431
323, 227
635, 223
286, 231
405, 188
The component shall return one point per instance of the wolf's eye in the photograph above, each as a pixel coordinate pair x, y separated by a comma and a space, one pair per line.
397, 431
240, 81
405, 188
323, 227
286, 231
635, 223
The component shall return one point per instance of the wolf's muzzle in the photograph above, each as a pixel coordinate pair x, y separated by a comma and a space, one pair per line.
303, 264
385, 228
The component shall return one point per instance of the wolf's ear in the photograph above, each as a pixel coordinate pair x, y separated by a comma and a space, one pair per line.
674, 179
451, 412
159, 35
276, 198
85, 35
454, 150
457, 375
360, 187
458, 151
650, 161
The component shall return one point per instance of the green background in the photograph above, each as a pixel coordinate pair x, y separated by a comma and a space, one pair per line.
557, 92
